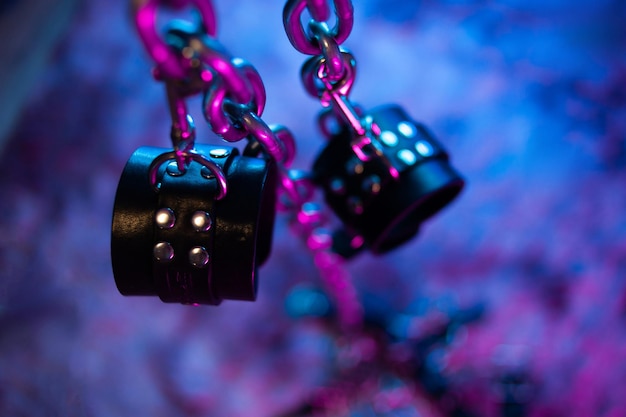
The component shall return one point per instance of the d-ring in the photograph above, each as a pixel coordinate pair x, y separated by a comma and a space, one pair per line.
153, 170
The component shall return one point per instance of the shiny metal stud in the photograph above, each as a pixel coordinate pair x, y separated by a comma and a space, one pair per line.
219, 153
172, 169
389, 138
165, 218
198, 257
407, 156
201, 221
163, 252
424, 148
408, 129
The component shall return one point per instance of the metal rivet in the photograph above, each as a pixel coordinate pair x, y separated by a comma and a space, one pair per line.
163, 252
424, 148
165, 218
201, 221
337, 186
407, 129
406, 156
372, 184
388, 138
219, 153
172, 169
355, 205
198, 257
207, 173
354, 166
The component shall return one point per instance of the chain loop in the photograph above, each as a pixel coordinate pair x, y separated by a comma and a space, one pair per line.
329, 48
319, 84
258, 130
191, 156
167, 61
318, 9
216, 98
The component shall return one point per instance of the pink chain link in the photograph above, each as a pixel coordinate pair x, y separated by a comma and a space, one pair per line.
297, 34
166, 59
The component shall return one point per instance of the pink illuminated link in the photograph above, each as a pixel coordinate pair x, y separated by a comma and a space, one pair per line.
215, 99
292, 15
167, 61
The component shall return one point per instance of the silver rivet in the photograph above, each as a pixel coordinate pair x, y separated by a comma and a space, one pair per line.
372, 184
388, 138
218, 153
198, 257
407, 129
354, 166
172, 169
407, 156
337, 186
165, 218
424, 148
207, 173
201, 221
163, 252
355, 205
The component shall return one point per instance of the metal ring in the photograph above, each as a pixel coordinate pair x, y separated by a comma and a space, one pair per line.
216, 170
223, 123
285, 136
298, 189
255, 148
333, 60
217, 58
316, 84
258, 129
328, 124
292, 15
167, 61
153, 170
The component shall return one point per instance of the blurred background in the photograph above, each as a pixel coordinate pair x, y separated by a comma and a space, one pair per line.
511, 302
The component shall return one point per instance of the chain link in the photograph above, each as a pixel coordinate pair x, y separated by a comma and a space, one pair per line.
145, 13
319, 11
330, 73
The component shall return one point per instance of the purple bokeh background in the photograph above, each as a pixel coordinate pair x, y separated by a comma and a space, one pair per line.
528, 97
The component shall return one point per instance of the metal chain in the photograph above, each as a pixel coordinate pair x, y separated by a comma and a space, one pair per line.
190, 61
328, 75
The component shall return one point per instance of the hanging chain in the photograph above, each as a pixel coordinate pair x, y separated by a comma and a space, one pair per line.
328, 75
191, 61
